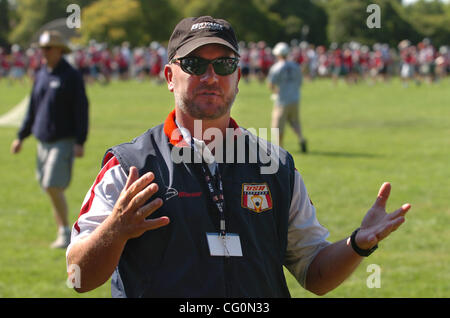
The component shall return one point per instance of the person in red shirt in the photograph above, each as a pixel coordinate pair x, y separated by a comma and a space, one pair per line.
4, 65
34, 61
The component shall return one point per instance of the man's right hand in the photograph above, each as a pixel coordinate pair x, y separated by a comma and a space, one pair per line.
128, 217
99, 253
16, 146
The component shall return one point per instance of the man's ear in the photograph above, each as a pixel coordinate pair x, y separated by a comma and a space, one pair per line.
239, 78
168, 74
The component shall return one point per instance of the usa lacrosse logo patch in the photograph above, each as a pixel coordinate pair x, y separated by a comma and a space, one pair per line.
256, 197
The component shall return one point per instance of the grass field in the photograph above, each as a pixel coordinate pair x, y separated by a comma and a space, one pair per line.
359, 137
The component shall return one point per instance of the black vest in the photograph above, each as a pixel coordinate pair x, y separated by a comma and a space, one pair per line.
174, 261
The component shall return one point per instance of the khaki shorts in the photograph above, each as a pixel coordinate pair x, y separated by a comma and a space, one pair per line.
54, 163
281, 114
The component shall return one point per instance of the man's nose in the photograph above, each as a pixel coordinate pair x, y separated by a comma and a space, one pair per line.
210, 75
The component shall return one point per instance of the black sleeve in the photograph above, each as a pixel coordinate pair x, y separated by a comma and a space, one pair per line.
25, 129
81, 105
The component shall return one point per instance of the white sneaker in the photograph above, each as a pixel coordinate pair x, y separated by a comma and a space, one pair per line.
63, 239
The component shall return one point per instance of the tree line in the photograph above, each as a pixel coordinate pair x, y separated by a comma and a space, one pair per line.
316, 21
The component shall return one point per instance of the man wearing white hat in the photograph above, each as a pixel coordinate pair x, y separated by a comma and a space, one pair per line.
285, 79
58, 117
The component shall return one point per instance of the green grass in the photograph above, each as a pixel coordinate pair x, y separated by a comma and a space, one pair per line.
12, 93
359, 137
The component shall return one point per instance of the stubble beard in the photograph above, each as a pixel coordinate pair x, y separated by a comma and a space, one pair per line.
189, 106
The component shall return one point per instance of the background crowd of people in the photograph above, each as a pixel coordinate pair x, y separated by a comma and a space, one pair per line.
353, 62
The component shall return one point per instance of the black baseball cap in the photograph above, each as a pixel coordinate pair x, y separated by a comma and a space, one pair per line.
191, 33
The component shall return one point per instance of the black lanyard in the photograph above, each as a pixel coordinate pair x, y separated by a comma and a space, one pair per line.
215, 189
216, 193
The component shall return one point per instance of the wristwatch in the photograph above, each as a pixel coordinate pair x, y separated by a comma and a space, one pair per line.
358, 250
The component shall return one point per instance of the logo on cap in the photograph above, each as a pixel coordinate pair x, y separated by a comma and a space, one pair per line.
207, 25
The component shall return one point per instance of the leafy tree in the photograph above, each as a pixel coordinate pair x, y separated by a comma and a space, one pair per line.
269, 20
250, 21
301, 19
31, 15
395, 25
109, 20
4, 22
347, 22
135, 21
160, 17
432, 18
142, 21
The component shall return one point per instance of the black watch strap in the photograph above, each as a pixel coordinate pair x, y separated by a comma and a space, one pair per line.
359, 251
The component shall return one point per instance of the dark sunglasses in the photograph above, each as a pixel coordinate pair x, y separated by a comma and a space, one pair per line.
195, 65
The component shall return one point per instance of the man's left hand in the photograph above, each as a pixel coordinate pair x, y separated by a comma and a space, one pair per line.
377, 224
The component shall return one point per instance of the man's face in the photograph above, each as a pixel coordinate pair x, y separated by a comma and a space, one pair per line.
52, 55
206, 96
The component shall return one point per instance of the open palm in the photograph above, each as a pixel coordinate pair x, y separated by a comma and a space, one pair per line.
377, 224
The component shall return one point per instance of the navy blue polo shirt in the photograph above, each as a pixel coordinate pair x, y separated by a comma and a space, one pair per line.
58, 106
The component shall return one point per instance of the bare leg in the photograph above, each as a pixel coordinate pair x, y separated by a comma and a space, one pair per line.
59, 203
294, 121
298, 131
60, 212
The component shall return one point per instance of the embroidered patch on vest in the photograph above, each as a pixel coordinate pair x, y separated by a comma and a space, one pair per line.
256, 197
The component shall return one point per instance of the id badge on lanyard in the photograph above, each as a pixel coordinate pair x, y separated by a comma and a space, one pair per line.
222, 243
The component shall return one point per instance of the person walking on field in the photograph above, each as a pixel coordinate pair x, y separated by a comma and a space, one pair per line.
285, 80
58, 117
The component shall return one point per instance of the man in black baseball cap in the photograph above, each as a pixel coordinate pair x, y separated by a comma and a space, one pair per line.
191, 33
164, 227
203, 70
